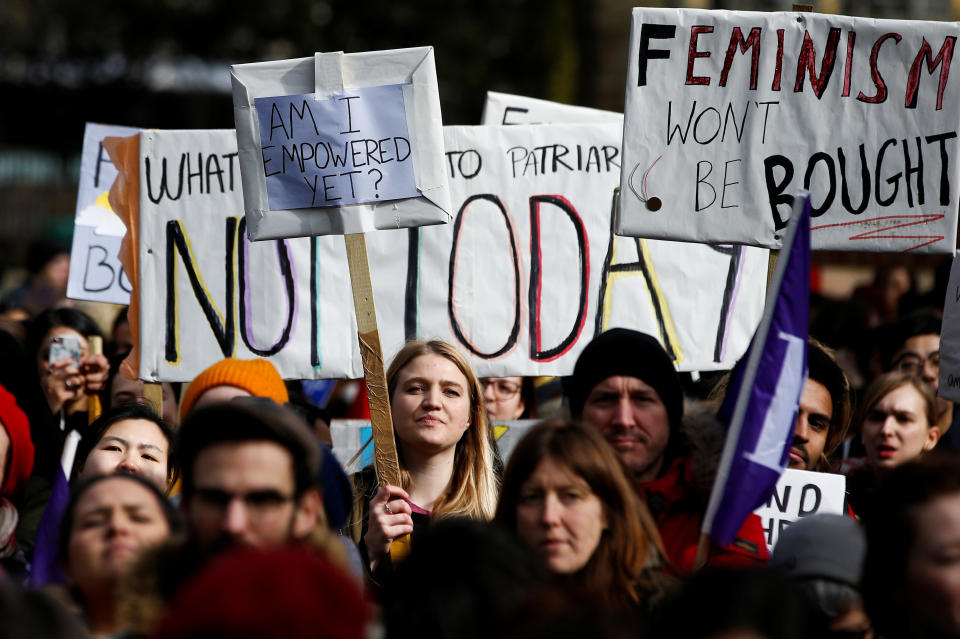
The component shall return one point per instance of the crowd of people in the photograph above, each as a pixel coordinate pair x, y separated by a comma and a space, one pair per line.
220, 511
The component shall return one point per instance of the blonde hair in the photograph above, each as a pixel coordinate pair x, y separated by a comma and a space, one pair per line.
472, 491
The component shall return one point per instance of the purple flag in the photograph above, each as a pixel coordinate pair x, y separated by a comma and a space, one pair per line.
44, 568
764, 392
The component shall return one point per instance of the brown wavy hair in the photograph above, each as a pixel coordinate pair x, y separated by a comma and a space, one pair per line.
629, 545
473, 487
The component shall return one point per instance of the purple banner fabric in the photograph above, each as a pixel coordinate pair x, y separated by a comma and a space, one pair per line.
761, 402
45, 569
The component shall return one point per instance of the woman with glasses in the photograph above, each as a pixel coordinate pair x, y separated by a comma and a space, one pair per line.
508, 398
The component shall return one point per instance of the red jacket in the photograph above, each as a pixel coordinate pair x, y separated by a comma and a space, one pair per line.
678, 508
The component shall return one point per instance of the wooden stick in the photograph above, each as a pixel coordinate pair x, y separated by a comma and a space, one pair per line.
771, 267
94, 407
153, 395
384, 444
703, 548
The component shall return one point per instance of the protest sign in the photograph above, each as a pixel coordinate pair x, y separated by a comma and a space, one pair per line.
949, 386
800, 493
528, 273
340, 143
505, 109
95, 270
317, 161
729, 113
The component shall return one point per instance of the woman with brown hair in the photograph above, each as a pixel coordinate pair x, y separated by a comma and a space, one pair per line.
445, 455
898, 423
566, 494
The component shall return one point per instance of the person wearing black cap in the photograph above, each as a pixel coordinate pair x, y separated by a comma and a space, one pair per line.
625, 385
824, 554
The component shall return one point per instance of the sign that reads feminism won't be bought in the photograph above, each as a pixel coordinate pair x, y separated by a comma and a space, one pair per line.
352, 148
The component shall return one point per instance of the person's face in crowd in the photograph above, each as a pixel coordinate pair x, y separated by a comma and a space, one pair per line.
932, 585
43, 354
560, 517
114, 520
896, 429
125, 391
503, 397
122, 338
219, 394
135, 446
56, 272
244, 493
430, 404
631, 416
852, 623
812, 425
920, 356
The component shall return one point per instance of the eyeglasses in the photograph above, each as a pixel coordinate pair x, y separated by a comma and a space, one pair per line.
913, 363
256, 502
502, 388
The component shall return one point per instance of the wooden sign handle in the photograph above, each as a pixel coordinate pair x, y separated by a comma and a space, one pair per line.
94, 407
385, 449
153, 396
381, 420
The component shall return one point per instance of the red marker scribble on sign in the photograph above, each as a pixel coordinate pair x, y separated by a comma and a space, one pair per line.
889, 225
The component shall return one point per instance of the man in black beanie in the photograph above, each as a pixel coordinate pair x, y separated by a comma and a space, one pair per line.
624, 384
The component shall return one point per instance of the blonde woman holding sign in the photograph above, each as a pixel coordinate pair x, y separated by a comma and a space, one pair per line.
445, 455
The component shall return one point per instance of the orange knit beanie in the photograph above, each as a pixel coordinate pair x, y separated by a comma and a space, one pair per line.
256, 376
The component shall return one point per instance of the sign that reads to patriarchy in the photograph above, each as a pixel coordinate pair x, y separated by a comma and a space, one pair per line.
352, 148
528, 272
728, 114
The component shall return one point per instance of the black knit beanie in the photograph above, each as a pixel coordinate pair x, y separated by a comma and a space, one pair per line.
622, 351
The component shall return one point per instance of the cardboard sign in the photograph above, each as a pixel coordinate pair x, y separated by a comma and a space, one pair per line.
729, 113
349, 149
949, 386
392, 112
800, 493
523, 279
95, 270
506, 109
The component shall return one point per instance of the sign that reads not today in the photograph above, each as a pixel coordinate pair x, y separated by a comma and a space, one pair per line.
352, 148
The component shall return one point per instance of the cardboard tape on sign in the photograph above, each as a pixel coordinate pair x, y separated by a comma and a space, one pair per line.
328, 74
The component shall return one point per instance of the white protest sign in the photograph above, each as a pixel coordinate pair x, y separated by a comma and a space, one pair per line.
949, 386
95, 270
318, 161
504, 109
340, 143
800, 493
527, 274
728, 113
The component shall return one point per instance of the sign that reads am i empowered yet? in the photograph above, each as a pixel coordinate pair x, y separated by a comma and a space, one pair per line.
352, 148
